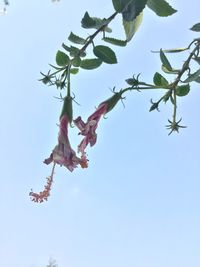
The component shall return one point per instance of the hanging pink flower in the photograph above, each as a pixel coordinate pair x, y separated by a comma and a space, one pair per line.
63, 154
88, 129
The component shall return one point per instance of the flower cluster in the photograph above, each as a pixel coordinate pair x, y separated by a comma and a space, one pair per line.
63, 154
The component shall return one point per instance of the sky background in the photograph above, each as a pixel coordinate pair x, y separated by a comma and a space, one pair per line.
137, 204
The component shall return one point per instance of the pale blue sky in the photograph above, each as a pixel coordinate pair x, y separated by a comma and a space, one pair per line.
137, 205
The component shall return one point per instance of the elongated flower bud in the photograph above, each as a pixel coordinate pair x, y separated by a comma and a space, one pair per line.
67, 108
112, 101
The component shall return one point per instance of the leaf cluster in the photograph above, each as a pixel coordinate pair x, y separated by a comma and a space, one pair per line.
73, 57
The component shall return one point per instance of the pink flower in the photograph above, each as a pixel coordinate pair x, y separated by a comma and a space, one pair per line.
88, 129
63, 154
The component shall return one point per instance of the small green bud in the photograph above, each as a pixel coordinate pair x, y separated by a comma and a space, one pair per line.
154, 106
46, 78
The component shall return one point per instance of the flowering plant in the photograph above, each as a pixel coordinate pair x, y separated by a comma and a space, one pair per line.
73, 58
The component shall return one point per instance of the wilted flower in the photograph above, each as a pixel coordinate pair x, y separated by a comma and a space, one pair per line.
88, 129
63, 154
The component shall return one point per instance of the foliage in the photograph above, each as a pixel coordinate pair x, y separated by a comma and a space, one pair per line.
73, 57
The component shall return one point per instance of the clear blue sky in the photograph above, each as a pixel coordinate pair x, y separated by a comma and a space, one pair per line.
137, 205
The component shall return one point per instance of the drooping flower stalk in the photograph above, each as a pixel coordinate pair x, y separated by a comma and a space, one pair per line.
43, 195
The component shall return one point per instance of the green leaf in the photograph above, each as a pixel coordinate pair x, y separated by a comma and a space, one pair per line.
130, 9
195, 27
172, 71
159, 80
62, 59
130, 27
74, 70
182, 90
192, 77
76, 62
115, 41
76, 39
118, 5
165, 61
133, 9
74, 51
105, 53
175, 50
89, 64
94, 23
161, 7
87, 22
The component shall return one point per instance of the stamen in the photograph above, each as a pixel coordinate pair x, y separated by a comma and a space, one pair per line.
43, 195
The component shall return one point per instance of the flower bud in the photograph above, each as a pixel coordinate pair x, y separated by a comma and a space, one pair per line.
112, 101
67, 108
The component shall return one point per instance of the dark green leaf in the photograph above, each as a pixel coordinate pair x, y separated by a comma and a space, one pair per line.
130, 27
76, 62
67, 48
105, 53
62, 59
192, 77
94, 23
115, 41
130, 9
119, 5
74, 71
195, 27
182, 90
87, 22
133, 9
165, 61
76, 39
161, 7
159, 80
89, 64
74, 51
